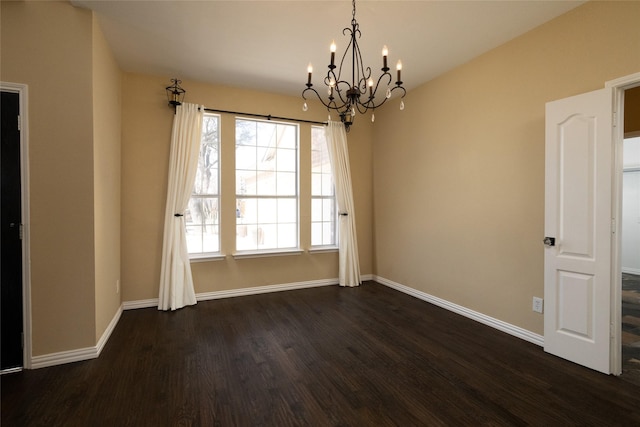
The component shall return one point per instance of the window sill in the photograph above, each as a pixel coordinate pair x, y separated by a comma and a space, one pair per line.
321, 249
206, 257
262, 254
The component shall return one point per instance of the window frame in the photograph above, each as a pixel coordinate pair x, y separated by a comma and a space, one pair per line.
296, 196
207, 255
314, 196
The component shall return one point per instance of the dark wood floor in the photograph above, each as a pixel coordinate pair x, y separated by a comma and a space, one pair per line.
367, 356
631, 327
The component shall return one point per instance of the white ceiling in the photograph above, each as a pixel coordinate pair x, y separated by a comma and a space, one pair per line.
267, 45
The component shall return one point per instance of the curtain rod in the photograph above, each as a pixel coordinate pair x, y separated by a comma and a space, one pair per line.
268, 117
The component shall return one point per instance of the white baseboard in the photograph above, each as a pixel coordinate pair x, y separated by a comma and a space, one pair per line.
255, 290
62, 357
205, 296
76, 355
143, 303
471, 314
631, 271
107, 332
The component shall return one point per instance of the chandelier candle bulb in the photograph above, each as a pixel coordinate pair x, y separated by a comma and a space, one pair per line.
309, 70
385, 53
370, 83
399, 68
333, 55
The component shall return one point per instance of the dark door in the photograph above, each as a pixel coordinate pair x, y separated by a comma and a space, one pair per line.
10, 234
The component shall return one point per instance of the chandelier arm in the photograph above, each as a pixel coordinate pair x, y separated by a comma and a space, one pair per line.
346, 51
370, 103
342, 90
362, 71
388, 78
362, 108
331, 104
385, 99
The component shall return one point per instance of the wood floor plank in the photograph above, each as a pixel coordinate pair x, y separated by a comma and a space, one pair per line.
329, 356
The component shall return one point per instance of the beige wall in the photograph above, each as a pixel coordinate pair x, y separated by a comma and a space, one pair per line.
74, 169
106, 163
146, 130
47, 45
459, 174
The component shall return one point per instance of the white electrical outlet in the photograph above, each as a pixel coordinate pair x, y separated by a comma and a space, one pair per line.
538, 304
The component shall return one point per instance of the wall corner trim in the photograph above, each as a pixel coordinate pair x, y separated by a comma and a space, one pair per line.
79, 354
500, 325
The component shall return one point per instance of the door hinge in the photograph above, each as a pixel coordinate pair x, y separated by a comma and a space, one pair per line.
613, 226
612, 331
614, 119
21, 231
19, 123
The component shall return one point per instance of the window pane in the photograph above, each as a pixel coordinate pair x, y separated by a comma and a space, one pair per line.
328, 233
267, 172
246, 157
286, 160
287, 235
245, 132
202, 216
327, 185
323, 215
287, 210
316, 184
266, 184
246, 211
246, 237
267, 211
316, 210
316, 234
287, 137
246, 182
286, 185
328, 209
268, 236
266, 134
194, 238
266, 159
211, 239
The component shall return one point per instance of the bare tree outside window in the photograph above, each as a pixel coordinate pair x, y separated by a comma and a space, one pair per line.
202, 215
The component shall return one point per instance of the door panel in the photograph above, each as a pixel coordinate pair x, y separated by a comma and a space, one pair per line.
578, 179
11, 355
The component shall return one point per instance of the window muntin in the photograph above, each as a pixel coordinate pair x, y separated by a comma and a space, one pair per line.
266, 185
202, 215
323, 201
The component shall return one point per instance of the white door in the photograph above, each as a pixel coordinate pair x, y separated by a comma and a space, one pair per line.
578, 215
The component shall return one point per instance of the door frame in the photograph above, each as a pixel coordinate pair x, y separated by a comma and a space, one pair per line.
23, 95
618, 86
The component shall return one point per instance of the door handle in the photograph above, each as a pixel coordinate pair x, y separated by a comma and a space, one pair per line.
549, 241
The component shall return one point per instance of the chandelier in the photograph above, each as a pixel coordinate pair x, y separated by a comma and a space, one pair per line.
360, 93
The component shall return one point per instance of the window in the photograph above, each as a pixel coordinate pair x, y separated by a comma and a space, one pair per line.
202, 215
323, 202
266, 185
